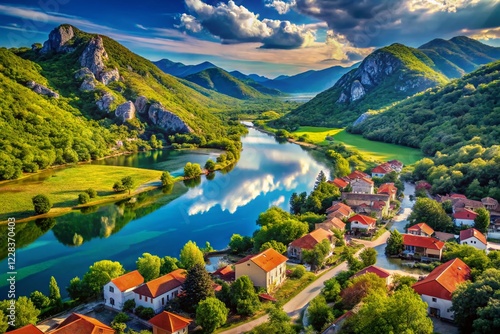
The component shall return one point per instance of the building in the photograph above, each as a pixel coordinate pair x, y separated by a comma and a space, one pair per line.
473, 238
169, 323
309, 241
331, 224
490, 204
81, 324
464, 217
339, 183
361, 223
266, 269
362, 186
377, 204
225, 273
28, 329
423, 246
437, 288
460, 204
382, 273
443, 236
421, 229
382, 170
158, 292
357, 175
396, 165
389, 189
339, 210
121, 289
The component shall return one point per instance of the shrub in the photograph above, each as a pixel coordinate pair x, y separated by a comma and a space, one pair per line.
129, 305
91, 192
298, 271
146, 313
83, 198
121, 317
41, 204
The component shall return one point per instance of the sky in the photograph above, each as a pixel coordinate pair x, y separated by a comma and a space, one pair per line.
267, 37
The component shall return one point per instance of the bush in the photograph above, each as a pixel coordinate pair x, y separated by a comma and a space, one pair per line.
40, 300
91, 192
41, 204
145, 313
121, 317
83, 198
299, 271
129, 305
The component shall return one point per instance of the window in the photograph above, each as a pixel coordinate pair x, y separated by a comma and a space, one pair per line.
434, 300
146, 299
111, 301
248, 264
162, 300
111, 289
140, 297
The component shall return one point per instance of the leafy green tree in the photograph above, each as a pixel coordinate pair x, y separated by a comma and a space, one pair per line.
394, 243
129, 305
40, 300
244, 297
191, 255
340, 164
149, 266
77, 289
298, 271
168, 264
447, 206
482, 220
279, 322
368, 256
100, 273
4, 325
128, 183
475, 258
26, 312
360, 287
119, 327
41, 204
54, 292
277, 246
118, 186
154, 142
431, 212
321, 198
211, 313
316, 256
400, 281
197, 287
208, 248
297, 202
353, 263
91, 192
121, 317
192, 170
167, 179
319, 179
83, 198
319, 314
331, 290
210, 165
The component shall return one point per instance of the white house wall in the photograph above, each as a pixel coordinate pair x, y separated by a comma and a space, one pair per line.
442, 304
474, 242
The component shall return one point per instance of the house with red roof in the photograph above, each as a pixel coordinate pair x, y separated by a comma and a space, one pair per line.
464, 217
382, 170
361, 223
378, 204
158, 292
81, 324
389, 189
423, 246
473, 238
380, 272
421, 229
297, 247
396, 165
339, 183
437, 288
331, 224
362, 186
357, 175
266, 269
119, 290
339, 210
225, 273
169, 323
28, 329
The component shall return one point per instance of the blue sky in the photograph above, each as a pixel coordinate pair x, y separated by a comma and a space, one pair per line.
268, 37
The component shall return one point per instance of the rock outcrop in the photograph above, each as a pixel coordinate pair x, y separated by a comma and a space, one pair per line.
58, 39
141, 104
93, 58
110, 76
89, 82
363, 117
167, 120
105, 102
42, 90
125, 111
357, 90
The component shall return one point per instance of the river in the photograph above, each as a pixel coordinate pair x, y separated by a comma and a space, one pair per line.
160, 222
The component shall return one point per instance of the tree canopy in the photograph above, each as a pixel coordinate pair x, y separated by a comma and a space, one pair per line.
432, 213
197, 287
394, 243
100, 273
243, 296
211, 313
191, 255
149, 266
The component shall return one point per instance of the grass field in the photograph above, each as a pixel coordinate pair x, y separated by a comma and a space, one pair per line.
63, 186
374, 150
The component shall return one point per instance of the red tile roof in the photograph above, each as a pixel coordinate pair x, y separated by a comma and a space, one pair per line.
421, 227
163, 284
339, 208
489, 201
458, 196
128, 281
382, 273
387, 188
384, 168
170, 322
310, 240
339, 182
266, 260
422, 241
81, 324
225, 273
28, 329
331, 223
365, 220
443, 280
357, 175
465, 214
472, 232
267, 297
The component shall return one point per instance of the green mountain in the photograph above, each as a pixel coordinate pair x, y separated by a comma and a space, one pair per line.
181, 70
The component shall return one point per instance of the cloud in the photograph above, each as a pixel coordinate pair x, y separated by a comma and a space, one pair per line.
433, 6
190, 23
280, 200
483, 34
140, 26
282, 7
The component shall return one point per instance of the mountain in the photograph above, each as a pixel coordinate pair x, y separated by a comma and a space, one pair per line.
254, 77
308, 82
388, 75
179, 69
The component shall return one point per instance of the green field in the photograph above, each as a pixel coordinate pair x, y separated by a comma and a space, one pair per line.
373, 150
62, 186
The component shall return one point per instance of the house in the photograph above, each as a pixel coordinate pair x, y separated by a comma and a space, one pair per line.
169, 323
266, 269
81, 324
460, 204
330, 224
443, 236
382, 273
421, 229
361, 223
389, 189
28, 329
464, 217
368, 203
357, 175
362, 186
339, 210
437, 288
309, 241
339, 183
396, 165
158, 292
225, 273
474, 238
490, 204
423, 246
121, 289
382, 170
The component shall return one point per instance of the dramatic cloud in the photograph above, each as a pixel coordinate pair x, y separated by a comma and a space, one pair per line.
190, 23
440, 5
484, 34
281, 7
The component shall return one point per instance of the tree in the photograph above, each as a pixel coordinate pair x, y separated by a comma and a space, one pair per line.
40, 300
319, 314
360, 287
340, 164
298, 271
119, 327
431, 212
482, 220
331, 290
83, 198
154, 142
394, 243
319, 179
149, 266
210, 165
77, 289
167, 179
283, 230
239, 244
4, 325
41, 204
353, 263
128, 305
191, 255
399, 281
277, 246
211, 314
297, 202
26, 312
316, 256
197, 287
54, 292
208, 248
100, 273
243, 296
91, 192
128, 183
368, 256
118, 186
168, 264
279, 322
192, 170
475, 258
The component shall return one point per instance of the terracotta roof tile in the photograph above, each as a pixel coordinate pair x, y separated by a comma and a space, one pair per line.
472, 232
422, 241
81, 324
170, 322
225, 273
357, 175
28, 329
384, 168
422, 227
387, 188
310, 240
339, 182
382, 273
266, 260
331, 223
489, 201
465, 214
128, 281
365, 220
162, 284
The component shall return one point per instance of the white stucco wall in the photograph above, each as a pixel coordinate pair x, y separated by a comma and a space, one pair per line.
473, 241
118, 296
158, 303
442, 304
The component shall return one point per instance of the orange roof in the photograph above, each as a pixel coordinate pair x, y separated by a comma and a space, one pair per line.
339, 182
387, 188
384, 168
357, 175
465, 214
266, 260
128, 281
310, 240
422, 227
443, 280
458, 196
81, 324
163, 284
28, 329
170, 322
332, 223
472, 232
339, 208
422, 241
382, 273
225, 273
365, 220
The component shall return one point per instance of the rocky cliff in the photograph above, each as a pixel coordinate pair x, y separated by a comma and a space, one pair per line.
94, 57
167, 120
42, 90
58, 38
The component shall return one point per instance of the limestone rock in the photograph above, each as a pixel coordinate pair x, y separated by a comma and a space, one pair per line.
167, 120
141, 104
57, 40
42, 90
363, 117
93, 57
343, 98
125, 110
104, 103
88, 85
84, 73
357, 90
110, 76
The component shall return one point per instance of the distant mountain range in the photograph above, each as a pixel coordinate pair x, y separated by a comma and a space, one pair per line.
179, 69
